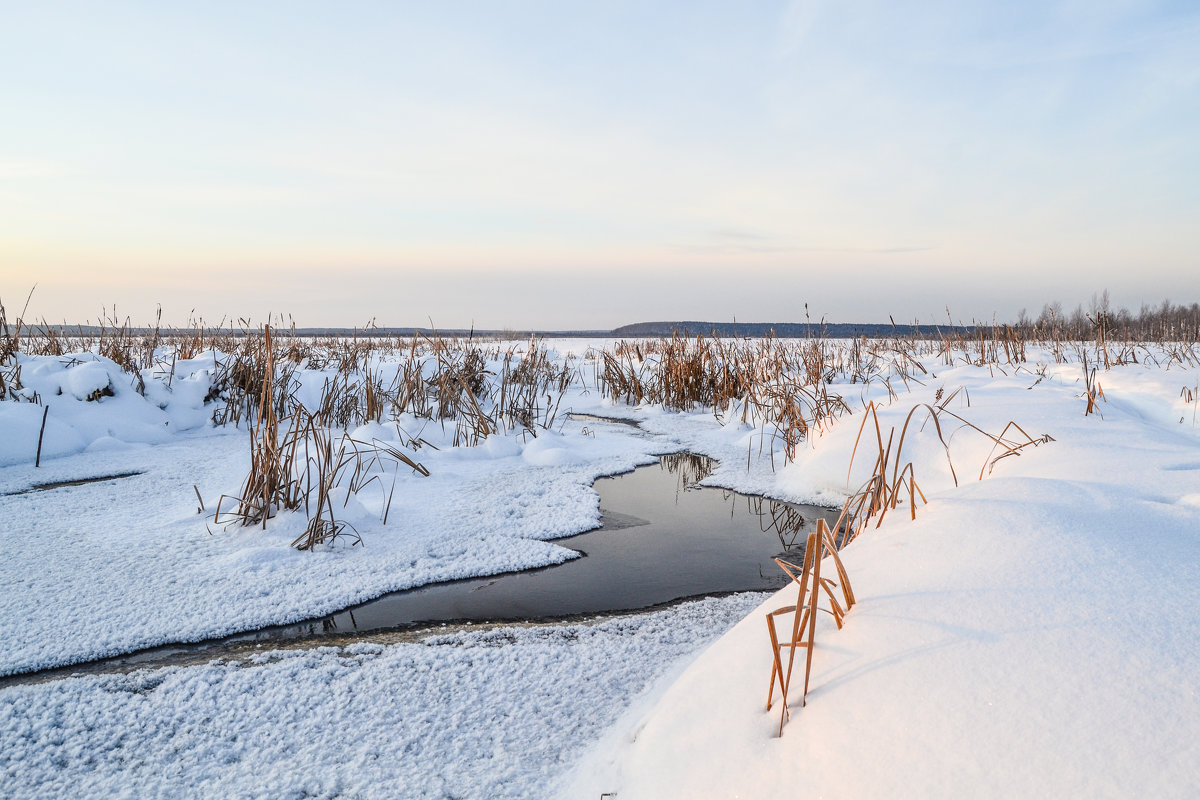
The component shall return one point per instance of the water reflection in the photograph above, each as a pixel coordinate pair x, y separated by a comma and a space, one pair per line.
690, 468
664, 537
786, 521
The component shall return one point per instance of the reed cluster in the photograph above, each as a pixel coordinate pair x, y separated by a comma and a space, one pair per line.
778, 383
296, 395
303, 463
10, 365
893, 481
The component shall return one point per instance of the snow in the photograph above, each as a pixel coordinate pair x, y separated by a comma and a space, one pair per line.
134, 565
1029, 634
496, 713
81, 414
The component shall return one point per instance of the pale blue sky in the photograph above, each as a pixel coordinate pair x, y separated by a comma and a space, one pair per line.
593, 164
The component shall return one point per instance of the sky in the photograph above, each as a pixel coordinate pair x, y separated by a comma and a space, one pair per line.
563, 165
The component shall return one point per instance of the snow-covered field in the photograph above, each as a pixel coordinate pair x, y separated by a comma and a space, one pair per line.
1029, 634
499, 714
1033, 634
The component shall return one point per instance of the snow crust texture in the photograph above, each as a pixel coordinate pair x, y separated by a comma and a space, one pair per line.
495, 713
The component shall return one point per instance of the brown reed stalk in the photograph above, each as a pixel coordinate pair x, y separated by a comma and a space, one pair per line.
264, 486
1093, 392
811, 584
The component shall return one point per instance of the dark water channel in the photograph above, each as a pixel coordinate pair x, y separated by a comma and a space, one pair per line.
663, 538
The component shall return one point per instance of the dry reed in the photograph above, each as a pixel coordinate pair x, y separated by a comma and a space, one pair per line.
811, 585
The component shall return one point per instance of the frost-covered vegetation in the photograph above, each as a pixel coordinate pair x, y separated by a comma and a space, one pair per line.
1019, 516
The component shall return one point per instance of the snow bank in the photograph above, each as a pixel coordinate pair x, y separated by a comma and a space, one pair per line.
110, 567
1031, 634
105, 568
91, 399
496, 713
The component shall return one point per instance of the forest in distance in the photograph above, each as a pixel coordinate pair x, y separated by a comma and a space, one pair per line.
1165, 321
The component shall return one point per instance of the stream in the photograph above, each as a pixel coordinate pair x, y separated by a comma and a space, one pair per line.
663, 539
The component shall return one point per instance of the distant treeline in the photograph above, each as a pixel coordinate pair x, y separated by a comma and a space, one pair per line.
65, 329
1164, 322
639, 330
787, 330
782, 330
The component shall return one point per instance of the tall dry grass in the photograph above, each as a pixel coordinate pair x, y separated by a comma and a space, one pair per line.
893, 480
471, 389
